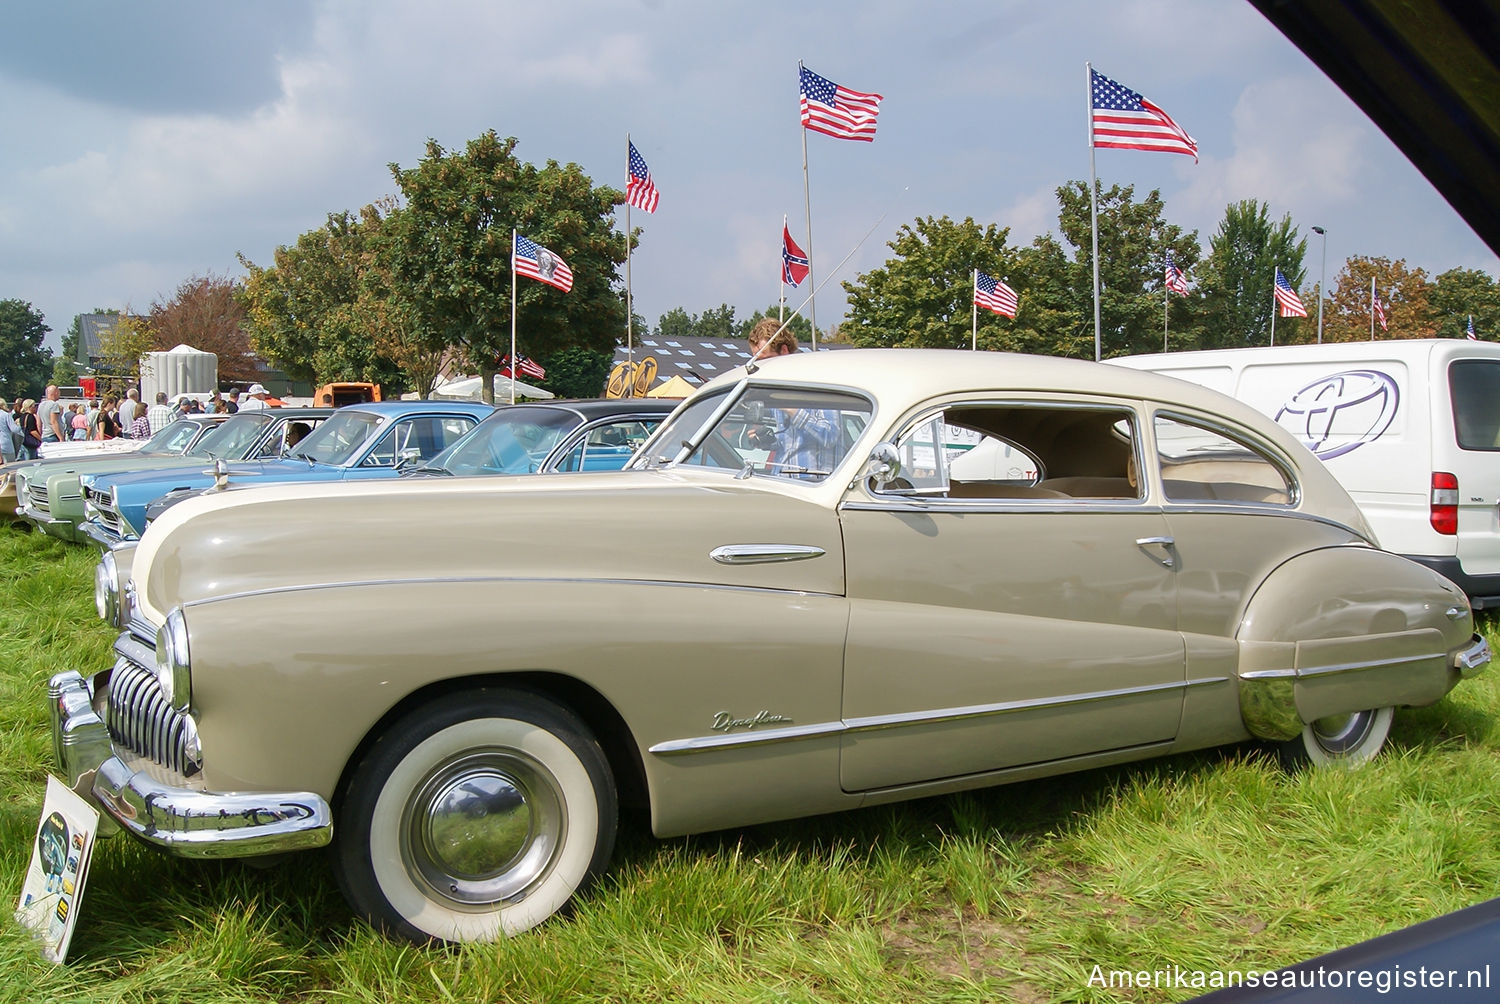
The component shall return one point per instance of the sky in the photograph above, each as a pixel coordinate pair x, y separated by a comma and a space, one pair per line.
156, 141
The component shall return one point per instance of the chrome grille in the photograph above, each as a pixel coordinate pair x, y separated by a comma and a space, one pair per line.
37, 493
139, 717
103, 508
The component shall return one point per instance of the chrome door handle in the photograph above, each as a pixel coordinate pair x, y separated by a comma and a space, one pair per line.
757, 554
1167, 545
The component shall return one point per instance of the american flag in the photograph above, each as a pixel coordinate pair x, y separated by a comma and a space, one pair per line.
1470, 333
640, 190
532, 260
992, 294
837, 111
1175, 280
794, 264
1287, 298
1123, 120
525, 367
1378, 307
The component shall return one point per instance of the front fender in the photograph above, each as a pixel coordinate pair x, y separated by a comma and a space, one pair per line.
1344, 629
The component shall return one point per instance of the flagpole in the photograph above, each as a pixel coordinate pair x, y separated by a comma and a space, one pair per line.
629, 303
1372, 308
513, 301
807, 202
1088, 90
974, 313
1166, 301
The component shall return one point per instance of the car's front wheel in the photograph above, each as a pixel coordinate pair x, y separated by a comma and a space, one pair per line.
1340, 740
476, 816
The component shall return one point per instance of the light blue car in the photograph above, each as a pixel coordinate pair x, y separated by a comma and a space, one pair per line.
374, 440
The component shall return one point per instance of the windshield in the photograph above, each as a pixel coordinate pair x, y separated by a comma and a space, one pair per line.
232, 438
338, 439
172, 439
786, 432
514, 440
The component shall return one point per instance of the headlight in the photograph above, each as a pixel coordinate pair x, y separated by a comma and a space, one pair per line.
173, 672
107, 589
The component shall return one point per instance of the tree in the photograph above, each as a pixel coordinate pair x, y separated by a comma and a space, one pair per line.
1403, 291
716, 323
24, 364
922, 296
1238, 275
207, 314
1461, 293
64, 371
305, 313
120, 349
1133, 240
454, 255
578, 372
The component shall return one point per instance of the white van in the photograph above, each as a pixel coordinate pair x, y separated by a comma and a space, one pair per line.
1410, 427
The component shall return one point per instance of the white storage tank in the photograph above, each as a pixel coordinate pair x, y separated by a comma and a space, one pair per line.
181, 370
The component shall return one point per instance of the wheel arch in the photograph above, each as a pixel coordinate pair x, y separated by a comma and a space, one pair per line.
597, 713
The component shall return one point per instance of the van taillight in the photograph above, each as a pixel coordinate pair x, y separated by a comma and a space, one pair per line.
1444, 503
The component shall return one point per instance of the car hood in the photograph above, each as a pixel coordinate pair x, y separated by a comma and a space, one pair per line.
129, 463
655, 526
136, 487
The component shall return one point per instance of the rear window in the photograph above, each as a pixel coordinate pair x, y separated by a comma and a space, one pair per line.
1475, 387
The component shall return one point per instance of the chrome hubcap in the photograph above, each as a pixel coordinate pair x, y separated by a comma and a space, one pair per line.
1342, 733
483, 828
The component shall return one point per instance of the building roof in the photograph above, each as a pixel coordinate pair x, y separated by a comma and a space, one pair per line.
696, 360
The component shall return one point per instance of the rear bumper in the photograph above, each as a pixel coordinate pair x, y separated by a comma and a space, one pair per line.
1483, 590
183, 821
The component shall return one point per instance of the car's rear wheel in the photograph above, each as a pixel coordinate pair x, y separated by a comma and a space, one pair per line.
476, 816
1340, 740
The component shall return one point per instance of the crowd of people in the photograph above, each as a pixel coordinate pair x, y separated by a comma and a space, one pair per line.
27, 425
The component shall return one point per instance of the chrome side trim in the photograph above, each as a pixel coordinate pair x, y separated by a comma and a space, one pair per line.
430, 579
756, 554
1331, 670
900, 503
702, 744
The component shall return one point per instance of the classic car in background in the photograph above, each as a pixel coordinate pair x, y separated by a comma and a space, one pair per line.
787, 604
357, 442
168, 446
54, 492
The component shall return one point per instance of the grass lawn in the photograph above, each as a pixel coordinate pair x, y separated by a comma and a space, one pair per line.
1211, 861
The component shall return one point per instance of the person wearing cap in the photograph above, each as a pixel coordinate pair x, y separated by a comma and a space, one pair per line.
256, 401
232, 401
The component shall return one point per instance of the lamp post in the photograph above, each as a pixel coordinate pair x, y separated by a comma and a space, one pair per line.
1321, 277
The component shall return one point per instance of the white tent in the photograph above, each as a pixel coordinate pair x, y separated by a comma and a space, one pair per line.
468, 389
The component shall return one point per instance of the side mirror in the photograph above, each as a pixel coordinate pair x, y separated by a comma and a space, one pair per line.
408, 456
884, 465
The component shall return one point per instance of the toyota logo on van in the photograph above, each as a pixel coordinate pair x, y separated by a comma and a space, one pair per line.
1341, 412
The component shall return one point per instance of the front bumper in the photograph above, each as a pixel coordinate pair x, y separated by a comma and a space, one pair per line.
61, 528
181, 820
100, 535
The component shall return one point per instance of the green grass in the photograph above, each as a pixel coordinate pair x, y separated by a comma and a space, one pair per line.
1213, 860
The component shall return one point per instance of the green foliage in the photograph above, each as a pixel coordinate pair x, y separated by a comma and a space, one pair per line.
304, 312
1133, 239
1238, 276
452, 254
578, 372
922, 297
715, 323
120, 349
1459, 293
64, 371
24, 364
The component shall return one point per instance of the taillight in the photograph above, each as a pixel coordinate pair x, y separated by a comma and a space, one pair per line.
1444, 503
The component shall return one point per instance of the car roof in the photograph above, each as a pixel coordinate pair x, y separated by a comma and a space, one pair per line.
592, 408
388, 409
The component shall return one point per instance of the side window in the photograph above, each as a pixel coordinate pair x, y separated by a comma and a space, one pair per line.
1475, 386
607, 447
1018, 451
429, 435
1203, 464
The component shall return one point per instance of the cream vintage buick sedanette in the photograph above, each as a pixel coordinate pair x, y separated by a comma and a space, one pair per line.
841, 579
